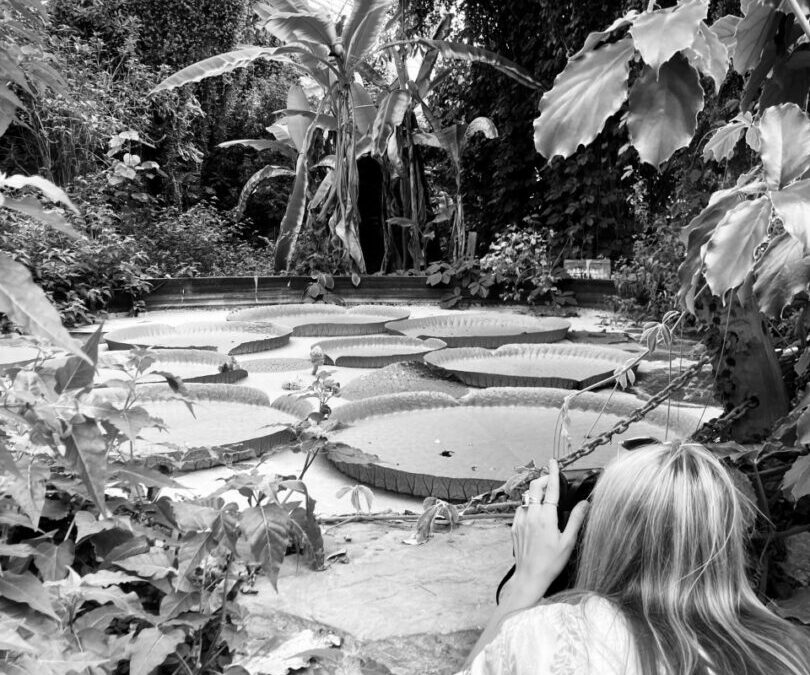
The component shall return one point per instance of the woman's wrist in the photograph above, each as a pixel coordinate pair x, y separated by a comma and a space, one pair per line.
525, 590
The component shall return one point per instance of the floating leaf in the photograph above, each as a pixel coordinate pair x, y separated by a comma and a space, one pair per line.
26, 304
782, 272
664, 109
724, 140
729, 254
785, 143
585, 94
662, 33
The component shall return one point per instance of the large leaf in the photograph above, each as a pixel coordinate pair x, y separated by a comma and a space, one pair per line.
257, 179
51, 191
364, 109
784, 132
797, 479
588, 91
151, 647
792, 205
660, 34
53, 560
219, 65
265, 529
27, 589
363, 27
598, 38
26, 305
32, 207
664, 109
752, 33
709, 55
293, 218
77, 373
782, 272
729, 254
461, 52
725, 29
86, 455
302, 27
297, 125
25, 482
724, 140
389, 116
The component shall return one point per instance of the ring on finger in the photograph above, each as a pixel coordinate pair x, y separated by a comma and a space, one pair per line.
549, 503
530, 499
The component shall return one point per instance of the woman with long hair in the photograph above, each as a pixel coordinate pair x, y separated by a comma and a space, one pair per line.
661, 579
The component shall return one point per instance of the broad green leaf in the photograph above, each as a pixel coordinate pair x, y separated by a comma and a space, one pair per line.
293, 218
461, 52
363, 28
784, 132
17, 550
792, 205
325, 122
364, 109
789, 82
721, 145
78, 373
177, 602
156, 564
25, 304
662, 33
143, 475
752, 33
297, 125
389, 116
782, 272
262, 175
31, 206
151, 647
129, 422
28, 590
265, 529
797, 479
51, 191
729, 254
99, 618
86, 456
585, 94
193, 549
11, 640
261, 144
302, 27
663, 110
725, 29
53, 560
193, 517
26, 484
219, 65
709, 55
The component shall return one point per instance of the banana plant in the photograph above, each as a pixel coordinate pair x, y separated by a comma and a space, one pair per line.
343, 121
453, 140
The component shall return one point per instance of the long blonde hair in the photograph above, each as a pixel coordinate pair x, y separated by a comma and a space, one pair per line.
665, 542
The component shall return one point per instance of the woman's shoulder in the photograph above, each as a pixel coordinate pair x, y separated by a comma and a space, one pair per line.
570, 638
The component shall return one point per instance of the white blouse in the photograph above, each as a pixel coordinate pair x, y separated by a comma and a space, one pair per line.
590, 638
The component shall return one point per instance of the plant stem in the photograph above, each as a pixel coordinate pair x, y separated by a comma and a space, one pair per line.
800, 17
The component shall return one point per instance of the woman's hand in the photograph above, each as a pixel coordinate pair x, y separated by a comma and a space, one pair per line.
541, 550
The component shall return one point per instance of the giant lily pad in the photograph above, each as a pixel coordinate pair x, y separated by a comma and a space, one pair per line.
560, 366
229, 337
483, 330
228, 423
17, 352
316, 320
376, 352
430, 444
399, 378
191, 365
